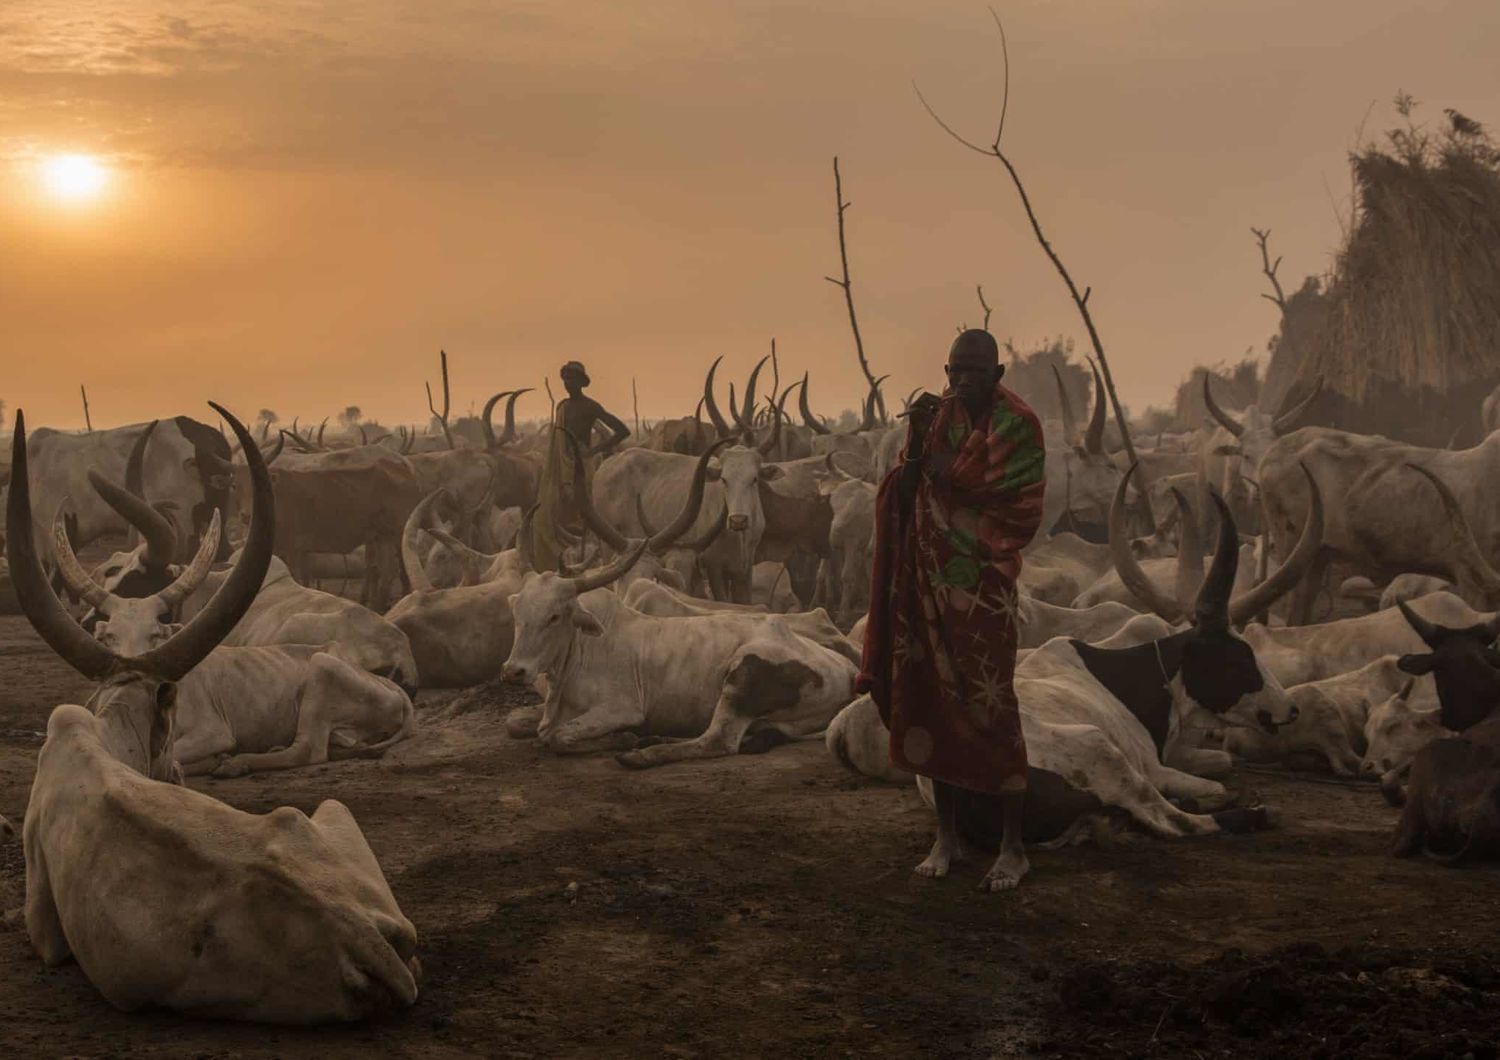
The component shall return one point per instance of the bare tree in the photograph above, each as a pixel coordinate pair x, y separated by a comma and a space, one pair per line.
1080, 299
848, 287
1262, 237
441, 417
983, 305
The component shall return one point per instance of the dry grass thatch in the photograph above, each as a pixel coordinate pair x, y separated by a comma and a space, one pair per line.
1413, 304
1302, 321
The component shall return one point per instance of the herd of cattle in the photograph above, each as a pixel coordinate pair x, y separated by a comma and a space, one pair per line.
709, 602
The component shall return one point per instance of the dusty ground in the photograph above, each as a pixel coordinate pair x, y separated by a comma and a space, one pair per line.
765, 906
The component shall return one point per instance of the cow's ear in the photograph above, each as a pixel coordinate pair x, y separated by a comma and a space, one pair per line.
771, 472
586, 623
1416, 664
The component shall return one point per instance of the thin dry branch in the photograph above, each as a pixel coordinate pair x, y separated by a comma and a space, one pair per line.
547, 382
1263, 237
1080, 299
859, 345
88, 420
980, 288
442, 417
635, 402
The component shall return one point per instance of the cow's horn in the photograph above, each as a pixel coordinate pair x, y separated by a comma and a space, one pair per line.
807, 416
135, 479
747, 414
417, 520
1424, 629
773, 439
584, 498
1253, 601
709, 536
660, 542
187, 583
608, 575
643, 518
190, 645
1093, 438
79, 582
1211, 608
1288, 419
1127, 566
1226, 421
486, 423
1471, 560
1069, 420
157, 531
1189, 553
32, 588
276, 452
508, 435
868, 422
710, 404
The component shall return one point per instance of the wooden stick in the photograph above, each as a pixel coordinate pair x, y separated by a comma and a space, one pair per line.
87, 419
859, 345
547, 382
1080, 300
984, 305
443, 416
1262, 237
635, 401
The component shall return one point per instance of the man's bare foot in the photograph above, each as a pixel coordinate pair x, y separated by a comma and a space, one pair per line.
1007, 872
942, 856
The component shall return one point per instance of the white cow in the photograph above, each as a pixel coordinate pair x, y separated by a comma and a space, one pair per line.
704, 681
164, 896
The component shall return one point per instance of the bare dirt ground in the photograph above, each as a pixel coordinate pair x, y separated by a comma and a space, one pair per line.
765, 906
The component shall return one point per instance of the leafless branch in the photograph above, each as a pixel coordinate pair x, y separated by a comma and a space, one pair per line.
983, 304
859, 345
1080, 299
1263, 237
635, 401
442, 417
87, 419
547, 382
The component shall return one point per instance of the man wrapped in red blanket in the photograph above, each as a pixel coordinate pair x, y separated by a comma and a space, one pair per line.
940, 644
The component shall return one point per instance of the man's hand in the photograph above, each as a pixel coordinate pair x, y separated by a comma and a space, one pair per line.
923, 411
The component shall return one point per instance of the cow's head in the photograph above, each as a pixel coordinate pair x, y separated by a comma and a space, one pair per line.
136, 654
1395, 731
670, 554
548, 618
741, 470
1465, 664
1219, 671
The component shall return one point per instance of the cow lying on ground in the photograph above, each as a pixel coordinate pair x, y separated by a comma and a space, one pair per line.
1452, 797
275, 707
1102, 724
704, 682
1333, 718
167, 897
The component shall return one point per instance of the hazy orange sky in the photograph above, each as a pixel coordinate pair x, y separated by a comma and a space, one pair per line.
309, 199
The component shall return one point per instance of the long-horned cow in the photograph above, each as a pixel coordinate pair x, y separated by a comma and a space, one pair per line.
125, 872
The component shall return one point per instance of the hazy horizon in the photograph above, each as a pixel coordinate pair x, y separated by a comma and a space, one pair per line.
306, 204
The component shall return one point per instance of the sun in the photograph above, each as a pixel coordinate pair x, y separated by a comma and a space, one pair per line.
74, 178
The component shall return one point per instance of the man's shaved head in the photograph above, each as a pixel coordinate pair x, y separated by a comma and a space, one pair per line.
975, 347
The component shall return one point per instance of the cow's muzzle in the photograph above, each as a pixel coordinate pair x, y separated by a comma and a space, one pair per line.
516, 674
738, 523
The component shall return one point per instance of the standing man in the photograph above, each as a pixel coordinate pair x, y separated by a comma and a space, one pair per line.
579, 415
940, 646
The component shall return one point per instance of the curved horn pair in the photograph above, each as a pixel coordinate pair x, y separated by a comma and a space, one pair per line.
417, 520
1215, 607
186, 648
711, 405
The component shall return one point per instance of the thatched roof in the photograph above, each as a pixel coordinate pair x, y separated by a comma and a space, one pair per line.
1411, 343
